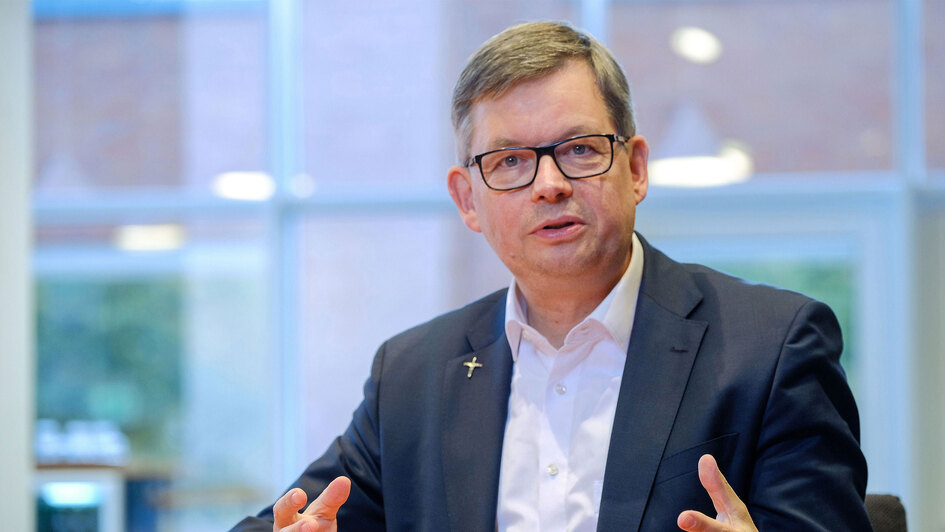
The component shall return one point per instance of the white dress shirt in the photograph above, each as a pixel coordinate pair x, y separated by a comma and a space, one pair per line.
561, 411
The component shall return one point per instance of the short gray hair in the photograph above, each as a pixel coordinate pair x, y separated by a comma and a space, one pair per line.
530, 51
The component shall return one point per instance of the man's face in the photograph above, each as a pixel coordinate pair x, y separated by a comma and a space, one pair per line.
556, 229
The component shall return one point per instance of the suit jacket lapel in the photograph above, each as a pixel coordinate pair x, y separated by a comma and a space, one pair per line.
474, 415
663, 346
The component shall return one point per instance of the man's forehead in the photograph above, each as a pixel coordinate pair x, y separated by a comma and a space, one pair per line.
528, 115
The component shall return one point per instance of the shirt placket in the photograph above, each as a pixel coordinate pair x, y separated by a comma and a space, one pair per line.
557, 428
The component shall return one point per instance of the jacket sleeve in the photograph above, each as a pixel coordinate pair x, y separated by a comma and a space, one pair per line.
356, 455
809, 471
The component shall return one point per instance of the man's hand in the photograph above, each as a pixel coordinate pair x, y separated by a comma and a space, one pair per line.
318, 517
732, 512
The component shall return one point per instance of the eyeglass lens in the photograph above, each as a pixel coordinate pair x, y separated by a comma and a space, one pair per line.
576, 158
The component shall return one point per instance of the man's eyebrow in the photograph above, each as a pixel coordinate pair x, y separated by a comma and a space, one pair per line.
502, 142
576, 131
499, 143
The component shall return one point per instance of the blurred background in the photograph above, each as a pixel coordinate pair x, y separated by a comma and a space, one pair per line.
232, 203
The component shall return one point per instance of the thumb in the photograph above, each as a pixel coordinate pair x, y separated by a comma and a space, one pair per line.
730, 508
713, 481
330, 500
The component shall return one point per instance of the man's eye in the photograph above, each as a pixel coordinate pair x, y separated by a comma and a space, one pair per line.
510, 161
580, 149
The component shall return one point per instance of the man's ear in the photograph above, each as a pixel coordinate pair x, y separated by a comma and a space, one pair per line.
460, 185
639, 155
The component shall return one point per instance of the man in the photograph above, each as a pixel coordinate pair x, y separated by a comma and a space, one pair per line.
609, 385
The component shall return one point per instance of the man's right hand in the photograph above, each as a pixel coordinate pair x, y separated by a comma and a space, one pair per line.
318, 517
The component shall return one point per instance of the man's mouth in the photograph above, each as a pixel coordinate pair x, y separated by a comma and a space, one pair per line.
558, 226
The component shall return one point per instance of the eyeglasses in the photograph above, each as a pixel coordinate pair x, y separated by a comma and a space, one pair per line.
576, 158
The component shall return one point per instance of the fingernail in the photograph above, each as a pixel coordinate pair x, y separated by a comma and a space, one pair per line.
296, 498
688, 521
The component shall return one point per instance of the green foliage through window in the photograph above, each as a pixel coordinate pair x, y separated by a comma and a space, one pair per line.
111, 350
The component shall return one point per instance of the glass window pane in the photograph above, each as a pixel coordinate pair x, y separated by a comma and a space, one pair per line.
933, 19
364, 278
130, 99
797, 85
170, 348
153, 318
371, 76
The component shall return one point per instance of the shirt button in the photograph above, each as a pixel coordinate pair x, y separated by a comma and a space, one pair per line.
561, 389
552, 469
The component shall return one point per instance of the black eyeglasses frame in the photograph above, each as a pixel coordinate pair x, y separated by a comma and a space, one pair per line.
541, 151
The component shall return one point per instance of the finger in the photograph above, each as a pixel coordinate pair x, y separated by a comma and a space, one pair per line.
286, 509
327, 504
693, 521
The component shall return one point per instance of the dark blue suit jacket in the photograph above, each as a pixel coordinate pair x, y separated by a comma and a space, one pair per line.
747, 373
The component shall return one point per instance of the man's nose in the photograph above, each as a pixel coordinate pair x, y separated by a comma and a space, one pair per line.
550, 184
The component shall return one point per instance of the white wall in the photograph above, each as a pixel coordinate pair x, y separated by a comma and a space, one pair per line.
16, 314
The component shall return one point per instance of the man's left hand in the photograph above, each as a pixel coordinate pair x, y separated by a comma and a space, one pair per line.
732, 512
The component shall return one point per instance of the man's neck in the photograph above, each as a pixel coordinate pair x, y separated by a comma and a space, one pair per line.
553, 309
556, 321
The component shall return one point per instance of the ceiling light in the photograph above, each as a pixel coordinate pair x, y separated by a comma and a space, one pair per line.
732, 165
696, 45
246, 186
149, 237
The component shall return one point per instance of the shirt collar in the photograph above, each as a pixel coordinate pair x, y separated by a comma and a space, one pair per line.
616, 312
